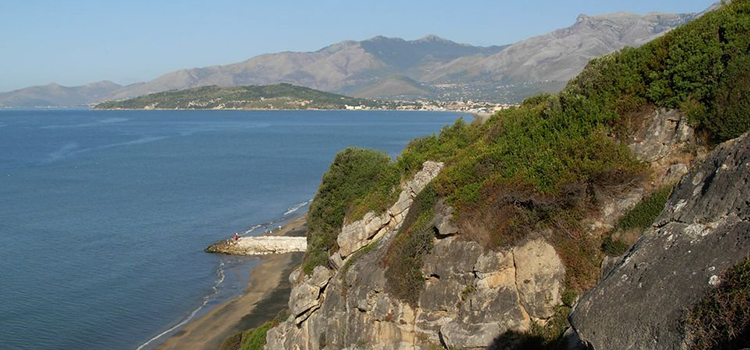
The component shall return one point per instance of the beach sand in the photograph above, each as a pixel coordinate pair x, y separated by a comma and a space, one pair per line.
267, 293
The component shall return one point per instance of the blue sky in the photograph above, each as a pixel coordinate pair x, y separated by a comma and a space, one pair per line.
75, 42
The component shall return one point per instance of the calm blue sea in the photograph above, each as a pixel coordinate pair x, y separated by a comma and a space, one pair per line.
104, 214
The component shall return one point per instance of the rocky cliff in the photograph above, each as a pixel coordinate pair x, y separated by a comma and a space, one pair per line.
704, 230
472, 296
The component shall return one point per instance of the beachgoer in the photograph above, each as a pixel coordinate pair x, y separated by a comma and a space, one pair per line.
236, 237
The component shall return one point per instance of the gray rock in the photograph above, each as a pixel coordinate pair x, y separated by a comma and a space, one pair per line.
305, 295
664, 131
469, 336
443, 220
336, 260
704, 229
675, 173
356, 235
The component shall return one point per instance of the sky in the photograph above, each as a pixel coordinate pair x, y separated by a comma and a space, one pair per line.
74, 42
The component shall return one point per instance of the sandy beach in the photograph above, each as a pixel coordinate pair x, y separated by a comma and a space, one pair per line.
266, 294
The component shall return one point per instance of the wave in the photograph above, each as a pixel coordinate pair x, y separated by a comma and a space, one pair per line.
71, 148
296, 207
104, 121
63, 152
206, 300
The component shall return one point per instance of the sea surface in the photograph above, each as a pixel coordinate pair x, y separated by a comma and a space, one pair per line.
104, 215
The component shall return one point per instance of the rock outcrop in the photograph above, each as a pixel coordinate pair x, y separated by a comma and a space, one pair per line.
665, 141
471, 296
360, 233
704, 229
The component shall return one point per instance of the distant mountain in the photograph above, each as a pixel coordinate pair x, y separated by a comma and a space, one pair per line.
342, 67
441, 69
507, 73
58, 95
559, 55
279, 96
394, 87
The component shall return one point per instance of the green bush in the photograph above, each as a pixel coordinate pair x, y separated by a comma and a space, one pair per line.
614, 247
569, 297
645, 212
722, 319
551, 333
354, 174
253, 339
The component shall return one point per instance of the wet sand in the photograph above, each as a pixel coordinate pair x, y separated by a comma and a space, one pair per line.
267, 293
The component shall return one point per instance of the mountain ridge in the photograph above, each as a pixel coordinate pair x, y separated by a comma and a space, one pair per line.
506, 73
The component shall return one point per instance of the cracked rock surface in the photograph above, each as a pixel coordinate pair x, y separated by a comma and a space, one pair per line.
703, 230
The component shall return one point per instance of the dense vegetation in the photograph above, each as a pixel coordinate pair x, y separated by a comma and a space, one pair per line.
722, 319
701, 68
354, 174
279, 96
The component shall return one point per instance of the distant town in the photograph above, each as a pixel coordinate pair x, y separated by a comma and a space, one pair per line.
475, 107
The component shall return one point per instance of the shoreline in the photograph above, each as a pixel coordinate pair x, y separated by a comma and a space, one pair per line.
264, 109
267, 292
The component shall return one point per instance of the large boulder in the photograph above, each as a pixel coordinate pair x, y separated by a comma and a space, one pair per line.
704, 229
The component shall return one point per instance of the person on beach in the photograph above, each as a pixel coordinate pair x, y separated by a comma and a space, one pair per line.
236, 236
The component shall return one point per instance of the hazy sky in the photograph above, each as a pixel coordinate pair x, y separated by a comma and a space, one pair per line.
73, 42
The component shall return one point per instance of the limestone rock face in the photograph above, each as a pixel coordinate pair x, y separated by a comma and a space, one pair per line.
305, 295
540, 276
470, 297
666, 130
666, 141
704, 229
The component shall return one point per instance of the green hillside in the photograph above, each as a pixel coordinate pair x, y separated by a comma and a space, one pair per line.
279, 96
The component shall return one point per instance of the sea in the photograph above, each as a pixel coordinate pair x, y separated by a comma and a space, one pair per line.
104, 215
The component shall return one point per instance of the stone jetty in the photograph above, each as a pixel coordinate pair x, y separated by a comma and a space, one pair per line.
261, 245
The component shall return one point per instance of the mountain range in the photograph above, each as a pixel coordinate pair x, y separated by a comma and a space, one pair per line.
394, 68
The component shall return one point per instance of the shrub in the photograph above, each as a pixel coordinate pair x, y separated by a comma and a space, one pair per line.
613, 246
404, 259
353, 174
569, 297
255, 338
645, 212
722, 319
732, 101
551, 333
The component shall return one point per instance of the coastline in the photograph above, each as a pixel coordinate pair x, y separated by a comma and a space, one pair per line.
266, 294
